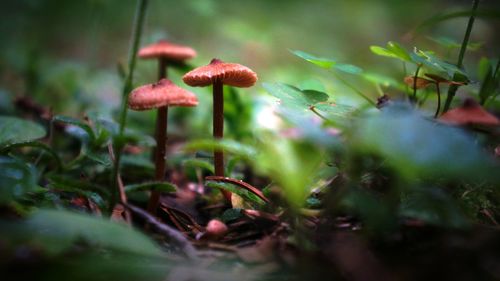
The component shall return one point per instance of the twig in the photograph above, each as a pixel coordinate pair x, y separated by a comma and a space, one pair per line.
175, 236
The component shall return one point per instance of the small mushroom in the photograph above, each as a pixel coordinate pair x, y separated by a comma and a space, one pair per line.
470, 113
166, 53
215, 229
421, 82
160, 95
218, 73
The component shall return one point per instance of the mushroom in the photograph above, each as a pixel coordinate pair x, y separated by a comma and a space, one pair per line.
218, 73
166, 53
216, 229
470, 113
160, 95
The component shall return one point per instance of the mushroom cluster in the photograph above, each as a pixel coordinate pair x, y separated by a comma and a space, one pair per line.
165, 93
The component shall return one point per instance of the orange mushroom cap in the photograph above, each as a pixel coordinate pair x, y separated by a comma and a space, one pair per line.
421, 82
232, 74
470, 113
170, 51
162, 93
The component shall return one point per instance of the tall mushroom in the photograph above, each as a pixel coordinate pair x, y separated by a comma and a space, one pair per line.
160, 95
218, 73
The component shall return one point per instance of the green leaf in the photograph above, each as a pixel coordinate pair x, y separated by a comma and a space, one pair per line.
294, 97
392, 50
433, 63
196, 163
327, 63
151, 186
452, 44
336, 109
55, 231
230, 146
67, 183
34, 144
76, 122
419, 148
16, 179
245, 194
14, 130
231, 215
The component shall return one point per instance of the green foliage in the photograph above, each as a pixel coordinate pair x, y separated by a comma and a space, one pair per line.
328, 63
392, 50
16, 179
245, 194
55, 231
419, 148
151, 186
295, 98
14, 130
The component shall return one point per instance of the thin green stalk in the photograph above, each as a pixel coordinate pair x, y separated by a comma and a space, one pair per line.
453, 88
438, 91
415, 77
349, 85
127, 87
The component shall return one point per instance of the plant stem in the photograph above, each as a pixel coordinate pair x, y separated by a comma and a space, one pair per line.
161, 143
218, 131
439, 100
127, 87
349, 85
453, 88
415, 77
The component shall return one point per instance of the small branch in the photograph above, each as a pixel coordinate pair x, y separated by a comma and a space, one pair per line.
175, 236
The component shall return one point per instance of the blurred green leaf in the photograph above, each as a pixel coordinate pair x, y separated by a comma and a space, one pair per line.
230, 146
433, 206
16, 179
294, 97
392, 50
15, 130
34, 144
452, 44
420, 148
76, 122
327, 63
196, 163
245, 194
151, 186
55, 231
433, 63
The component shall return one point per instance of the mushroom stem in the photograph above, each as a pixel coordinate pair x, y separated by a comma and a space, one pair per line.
161, 143
219, 131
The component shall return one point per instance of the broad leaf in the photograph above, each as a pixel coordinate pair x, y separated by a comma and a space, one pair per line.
392, 50
420, 148
16, 179
76, 122
327, 63
294, 97
230, 146
196, 163
55, 231
14, 130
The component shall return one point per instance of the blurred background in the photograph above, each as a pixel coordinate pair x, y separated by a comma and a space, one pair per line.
59, 52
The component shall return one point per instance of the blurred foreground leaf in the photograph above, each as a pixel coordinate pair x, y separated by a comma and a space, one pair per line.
16, 179
14, 130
